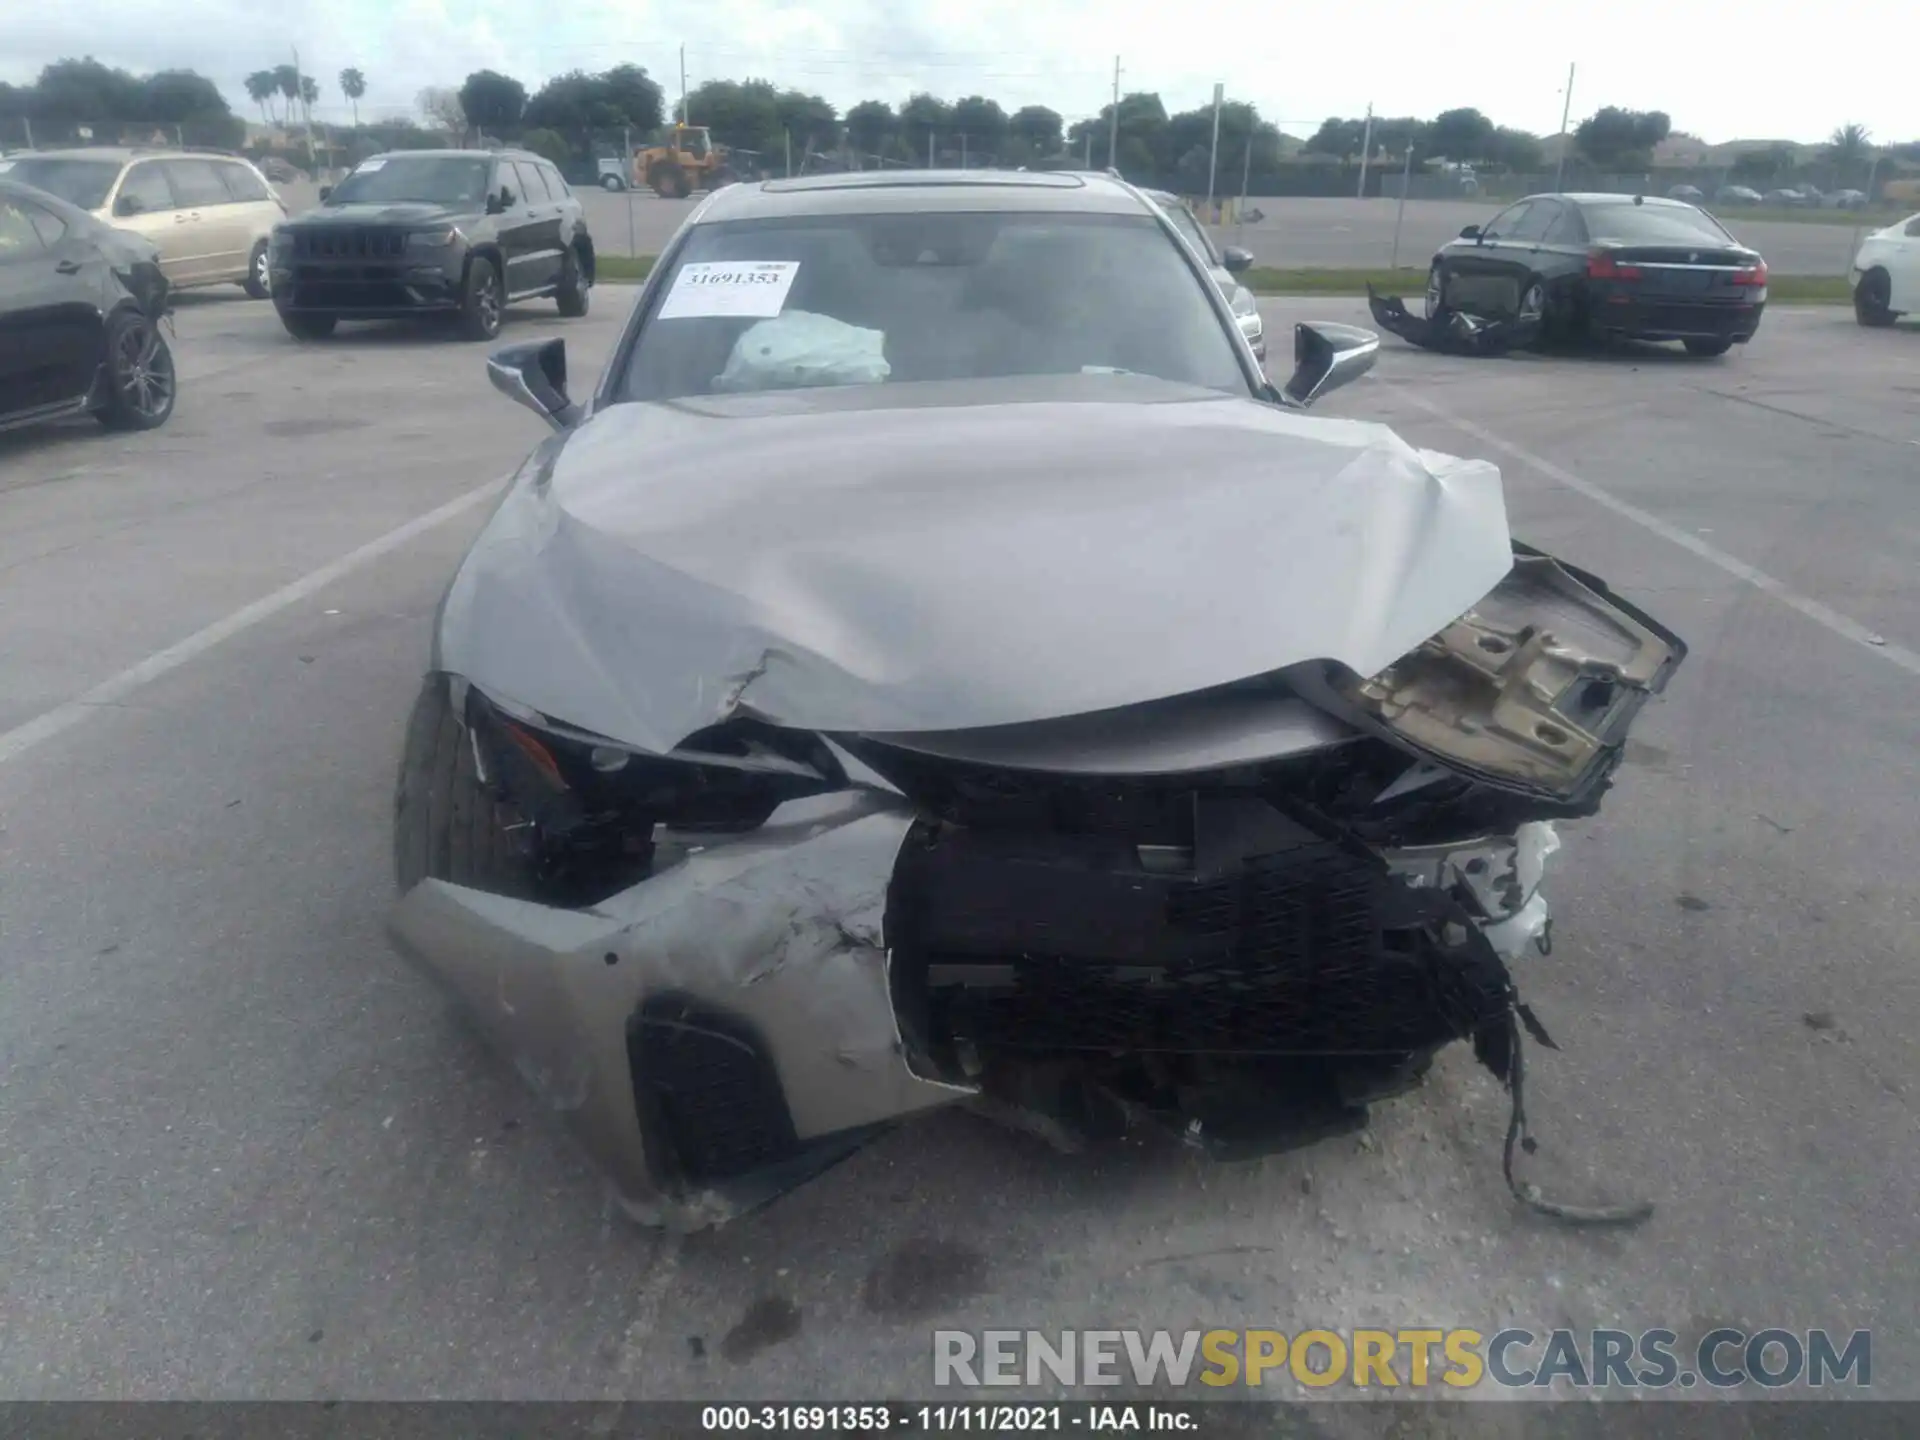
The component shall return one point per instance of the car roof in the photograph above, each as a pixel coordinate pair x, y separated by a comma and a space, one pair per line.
1604, 197
503, 153
908, 191
124, 153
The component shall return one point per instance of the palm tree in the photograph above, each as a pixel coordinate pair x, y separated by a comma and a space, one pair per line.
353, 85
1849, 148
309, 93
261, 87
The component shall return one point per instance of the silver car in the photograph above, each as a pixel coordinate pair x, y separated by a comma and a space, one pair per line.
1224, 265
910, 680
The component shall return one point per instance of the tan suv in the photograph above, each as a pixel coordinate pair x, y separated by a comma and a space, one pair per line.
209, 213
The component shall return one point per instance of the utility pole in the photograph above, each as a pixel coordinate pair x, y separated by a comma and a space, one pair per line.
1246, 173
930, 164
963, 149
788, 133
1366, 151
1113, 124
1089, 147
685, 118
1213, 152
307, 112
1566, 112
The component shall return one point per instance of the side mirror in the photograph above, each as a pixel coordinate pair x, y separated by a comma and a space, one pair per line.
1236, 259
534, 373
128, 205
1472, 232
1325, 357
325, 191
498, 202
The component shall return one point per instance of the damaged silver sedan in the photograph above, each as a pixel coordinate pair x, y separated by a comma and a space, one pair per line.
914, 679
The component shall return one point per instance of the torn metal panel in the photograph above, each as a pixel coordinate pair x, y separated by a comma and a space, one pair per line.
1501, 875
1453, 332
780, 929
1533, 686
957, 556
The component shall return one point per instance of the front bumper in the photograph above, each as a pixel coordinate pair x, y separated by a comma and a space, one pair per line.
759, 1007
363, 290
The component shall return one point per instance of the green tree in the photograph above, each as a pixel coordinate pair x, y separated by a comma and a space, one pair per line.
1613, 138
286, 80
982, 122
83, 90
1461, 135
353, 85
924, 121
493, 103
1038, 130
261, 88
1849, 150
577, 104
870, 125
309, 96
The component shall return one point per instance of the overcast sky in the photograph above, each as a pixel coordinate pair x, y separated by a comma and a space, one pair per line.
1721, 72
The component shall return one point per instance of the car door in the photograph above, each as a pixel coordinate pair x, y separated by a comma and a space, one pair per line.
1478, 272
1903, 268
144, 204
1542, 245
535, 263
49, 323
255, 211
212, 226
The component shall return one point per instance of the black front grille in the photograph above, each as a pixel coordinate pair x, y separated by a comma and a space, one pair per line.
705, 1086
351, 294
345, 242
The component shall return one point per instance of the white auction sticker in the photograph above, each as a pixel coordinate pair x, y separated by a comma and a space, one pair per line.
756, 288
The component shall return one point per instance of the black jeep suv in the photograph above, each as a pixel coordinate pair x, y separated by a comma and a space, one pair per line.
433, 232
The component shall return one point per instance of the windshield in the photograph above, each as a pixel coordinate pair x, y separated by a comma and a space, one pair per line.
78, 182
429, 179
1654, 225
1190, 230
896, 298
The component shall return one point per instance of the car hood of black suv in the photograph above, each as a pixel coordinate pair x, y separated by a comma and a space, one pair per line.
397, 212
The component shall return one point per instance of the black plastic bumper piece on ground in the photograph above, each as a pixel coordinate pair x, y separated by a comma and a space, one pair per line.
1451, 332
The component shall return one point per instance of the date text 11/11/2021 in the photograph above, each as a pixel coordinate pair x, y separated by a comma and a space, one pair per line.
948, 1419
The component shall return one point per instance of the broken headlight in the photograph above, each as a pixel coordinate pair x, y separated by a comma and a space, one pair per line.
1533, 688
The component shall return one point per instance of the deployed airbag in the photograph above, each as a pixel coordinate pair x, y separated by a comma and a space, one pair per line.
801, 348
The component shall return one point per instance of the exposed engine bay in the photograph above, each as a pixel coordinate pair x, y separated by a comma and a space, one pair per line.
1243, 914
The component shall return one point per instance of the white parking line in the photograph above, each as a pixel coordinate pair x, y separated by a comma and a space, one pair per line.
1825, 616
22, 738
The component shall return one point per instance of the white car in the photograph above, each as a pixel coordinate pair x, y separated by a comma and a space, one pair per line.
1886, 274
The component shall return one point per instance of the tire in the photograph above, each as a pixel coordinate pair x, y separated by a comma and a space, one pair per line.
483, 301
571, 293
259, 281
1436, 290
1872, 300
1707, 348
611, 182
669, 181
308, 327
447, 825
141, 383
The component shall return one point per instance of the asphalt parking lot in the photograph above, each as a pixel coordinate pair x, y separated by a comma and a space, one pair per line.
244, 1151
1293, 233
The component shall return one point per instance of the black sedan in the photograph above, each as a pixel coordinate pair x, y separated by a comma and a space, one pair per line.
1605, 265
80, 311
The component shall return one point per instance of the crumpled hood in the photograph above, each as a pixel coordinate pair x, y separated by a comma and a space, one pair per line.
950, 556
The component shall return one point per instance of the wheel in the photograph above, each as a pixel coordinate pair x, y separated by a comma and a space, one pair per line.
669, 181
447, 825
259, 281
482, 302
1873, 300
611, 182
308, 327
141, 383
1533, 302
572, 290
1436, 290
1707, 347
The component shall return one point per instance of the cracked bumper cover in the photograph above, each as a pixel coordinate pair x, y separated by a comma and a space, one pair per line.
1451, 332
775, 940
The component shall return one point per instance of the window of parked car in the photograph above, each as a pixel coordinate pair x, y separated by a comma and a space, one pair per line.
1566, 228
1534, 222
50, 227
78, 182
556, 182
1633, 224
1190, 230
196, 183
19, 240
532, 189
144, 191
452, 180
862, 299
243, 182
1503, 225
